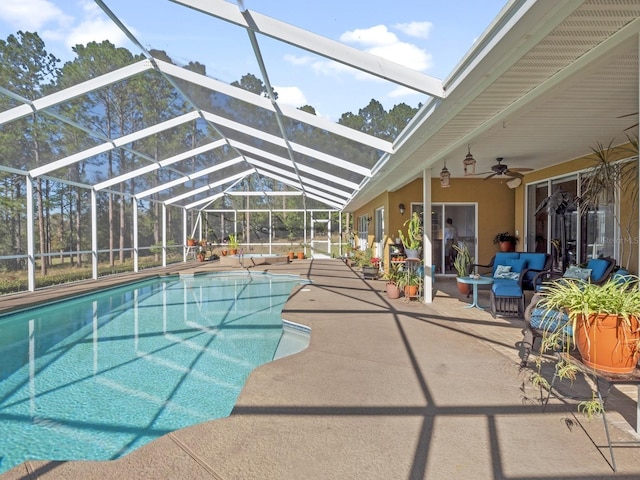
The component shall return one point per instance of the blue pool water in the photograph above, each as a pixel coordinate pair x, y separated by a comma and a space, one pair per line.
98, 376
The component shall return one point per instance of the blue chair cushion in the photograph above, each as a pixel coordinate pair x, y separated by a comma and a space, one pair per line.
517, 264
598, 267
534, 260
501, 259
550, 320
506, 288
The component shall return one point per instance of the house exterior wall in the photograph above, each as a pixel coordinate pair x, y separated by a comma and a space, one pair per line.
496, 207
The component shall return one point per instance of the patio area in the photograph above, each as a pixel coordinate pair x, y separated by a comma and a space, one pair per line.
388, 389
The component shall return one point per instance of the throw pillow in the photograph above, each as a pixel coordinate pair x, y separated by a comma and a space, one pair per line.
512, 275
501, 271
578, 273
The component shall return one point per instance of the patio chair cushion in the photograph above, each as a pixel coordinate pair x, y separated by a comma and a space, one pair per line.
549, 320
503, 287
578, 273
501, 259
517, 264
598, 267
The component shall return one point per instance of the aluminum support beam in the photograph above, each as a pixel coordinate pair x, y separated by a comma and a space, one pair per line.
320, 45
31, 248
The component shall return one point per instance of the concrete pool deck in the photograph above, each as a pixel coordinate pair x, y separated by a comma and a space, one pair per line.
388, 389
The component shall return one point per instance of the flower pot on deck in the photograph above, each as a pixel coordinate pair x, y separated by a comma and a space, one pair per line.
393, 291
463, 288
608, 343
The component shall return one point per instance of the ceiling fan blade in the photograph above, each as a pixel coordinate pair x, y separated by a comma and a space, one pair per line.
520, 169
492, 175
511, 173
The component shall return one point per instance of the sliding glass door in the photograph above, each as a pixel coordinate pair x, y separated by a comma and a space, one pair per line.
452, 223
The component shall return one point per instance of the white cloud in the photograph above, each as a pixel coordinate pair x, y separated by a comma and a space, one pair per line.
380, 41
415, 29
405, 54
401, 91
298, 60
31, 15
94, 26
291, 96
368, 37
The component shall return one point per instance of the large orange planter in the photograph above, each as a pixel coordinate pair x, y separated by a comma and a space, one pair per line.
606, 344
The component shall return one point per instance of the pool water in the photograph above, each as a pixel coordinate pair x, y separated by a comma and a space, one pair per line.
98, 376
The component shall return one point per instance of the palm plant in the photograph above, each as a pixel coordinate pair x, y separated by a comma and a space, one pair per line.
608, 177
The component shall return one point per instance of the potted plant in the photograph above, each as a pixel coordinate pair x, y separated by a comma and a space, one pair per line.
413, 240
603, 320
370, 265
462, 263
409, 282
393, 278
202, 255
506, 241
233, 244
191, 242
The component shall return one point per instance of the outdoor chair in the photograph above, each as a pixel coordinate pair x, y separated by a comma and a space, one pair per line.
597, 271
538, 320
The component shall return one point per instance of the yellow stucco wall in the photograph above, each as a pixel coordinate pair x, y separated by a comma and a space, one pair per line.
496, 207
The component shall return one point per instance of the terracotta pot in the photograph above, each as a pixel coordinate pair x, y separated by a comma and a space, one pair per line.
233, 251
300, 255
464, 288
393, 291
606, 344
290, 255
411, 291
191, 242
224, 253
507, 247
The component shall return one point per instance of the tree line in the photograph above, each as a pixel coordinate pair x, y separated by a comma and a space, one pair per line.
62, 210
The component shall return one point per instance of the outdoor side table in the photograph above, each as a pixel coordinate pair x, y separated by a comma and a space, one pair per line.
610, 379
475, 282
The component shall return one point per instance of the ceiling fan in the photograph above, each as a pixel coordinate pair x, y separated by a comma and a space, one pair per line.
501, 169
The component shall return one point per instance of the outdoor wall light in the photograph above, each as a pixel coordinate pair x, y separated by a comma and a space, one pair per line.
402, 209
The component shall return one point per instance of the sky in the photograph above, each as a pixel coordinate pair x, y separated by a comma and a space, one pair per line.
430, 36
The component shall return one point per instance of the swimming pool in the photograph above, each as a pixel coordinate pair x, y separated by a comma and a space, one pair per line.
98, 376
